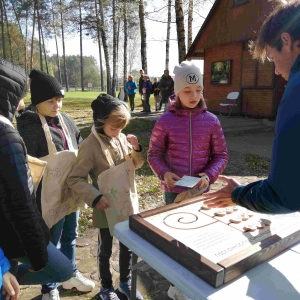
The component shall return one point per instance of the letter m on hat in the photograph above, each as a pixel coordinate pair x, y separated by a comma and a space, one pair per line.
192, 78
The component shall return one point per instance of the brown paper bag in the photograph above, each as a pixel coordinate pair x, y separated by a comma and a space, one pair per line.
191, 193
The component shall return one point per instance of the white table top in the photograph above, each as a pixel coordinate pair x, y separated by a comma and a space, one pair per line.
275, 279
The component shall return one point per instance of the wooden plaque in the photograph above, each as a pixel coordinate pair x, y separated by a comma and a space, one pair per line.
216, 248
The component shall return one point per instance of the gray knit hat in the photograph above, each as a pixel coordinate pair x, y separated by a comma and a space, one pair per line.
43, 87
186, 74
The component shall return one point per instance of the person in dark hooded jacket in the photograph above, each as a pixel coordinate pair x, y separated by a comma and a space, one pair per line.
24, 236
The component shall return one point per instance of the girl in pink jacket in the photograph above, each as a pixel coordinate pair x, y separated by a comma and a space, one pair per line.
187, 140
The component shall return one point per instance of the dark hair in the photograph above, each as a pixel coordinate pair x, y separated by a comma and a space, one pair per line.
284, 18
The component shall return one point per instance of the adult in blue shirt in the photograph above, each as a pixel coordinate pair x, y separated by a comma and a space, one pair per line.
278, 41
130, 88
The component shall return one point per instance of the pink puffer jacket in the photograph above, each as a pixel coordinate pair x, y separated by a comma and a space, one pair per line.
187, 143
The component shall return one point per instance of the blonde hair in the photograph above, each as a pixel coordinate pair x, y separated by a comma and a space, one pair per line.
119, 118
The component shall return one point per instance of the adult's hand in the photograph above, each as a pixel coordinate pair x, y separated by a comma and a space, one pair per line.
170, 179
222, 197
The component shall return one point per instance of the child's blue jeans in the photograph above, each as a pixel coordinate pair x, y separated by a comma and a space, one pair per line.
58, 269
63, 236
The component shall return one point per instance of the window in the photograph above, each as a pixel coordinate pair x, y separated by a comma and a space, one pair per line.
239, 2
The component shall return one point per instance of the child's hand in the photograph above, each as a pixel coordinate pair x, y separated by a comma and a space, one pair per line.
102, 204
170, 179
203, 183
133, 140
10, 287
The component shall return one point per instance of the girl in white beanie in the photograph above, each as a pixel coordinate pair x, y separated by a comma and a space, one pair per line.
187, 140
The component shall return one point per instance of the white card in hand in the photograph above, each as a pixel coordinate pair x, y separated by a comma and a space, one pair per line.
188, 181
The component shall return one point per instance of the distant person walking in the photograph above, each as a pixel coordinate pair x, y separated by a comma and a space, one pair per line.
156, 90
141, 83
166, 85
147, 90
130, 88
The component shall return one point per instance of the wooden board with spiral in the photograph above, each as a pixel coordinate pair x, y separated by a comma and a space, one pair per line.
216, 245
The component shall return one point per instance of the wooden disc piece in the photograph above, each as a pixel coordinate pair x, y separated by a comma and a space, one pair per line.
250, 227
244, 216
229, 210
220, 212
260, 225
250, 213
205, 207
266, 222
236, 219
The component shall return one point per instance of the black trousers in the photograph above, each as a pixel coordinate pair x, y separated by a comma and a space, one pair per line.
131, 100
105, 241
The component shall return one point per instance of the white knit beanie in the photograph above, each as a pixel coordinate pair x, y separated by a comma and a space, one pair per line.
186, 74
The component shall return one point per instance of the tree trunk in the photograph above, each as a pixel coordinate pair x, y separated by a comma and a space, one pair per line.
24, 39
105, 47
99, 46
63, 44
8, 33
44, 48
190, 23
56, 43
143, 36
125, 44
25, 42
40, 40
2, 31
32, 38
81, 52
168, 35
180, 30
115, 41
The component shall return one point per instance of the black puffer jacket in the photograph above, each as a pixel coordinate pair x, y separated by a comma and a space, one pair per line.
31, 130
23, 232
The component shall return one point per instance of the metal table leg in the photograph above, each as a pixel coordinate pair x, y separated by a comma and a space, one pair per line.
133, 276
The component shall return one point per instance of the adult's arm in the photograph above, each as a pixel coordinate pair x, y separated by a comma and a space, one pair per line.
17, 199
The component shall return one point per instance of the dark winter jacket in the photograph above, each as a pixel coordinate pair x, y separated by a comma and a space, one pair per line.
188, 142
166, 85
141, 82
279, 193
23, 231
148, 86
30, 128
154, 86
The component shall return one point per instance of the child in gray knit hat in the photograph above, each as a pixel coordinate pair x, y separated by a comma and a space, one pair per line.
110, 158
187, 140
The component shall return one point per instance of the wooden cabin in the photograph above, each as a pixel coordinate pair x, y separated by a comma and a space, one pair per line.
222, 43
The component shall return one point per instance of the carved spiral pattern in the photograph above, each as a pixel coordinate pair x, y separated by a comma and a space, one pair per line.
182, 221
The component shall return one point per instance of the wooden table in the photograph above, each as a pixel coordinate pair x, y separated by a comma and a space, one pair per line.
275, 279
